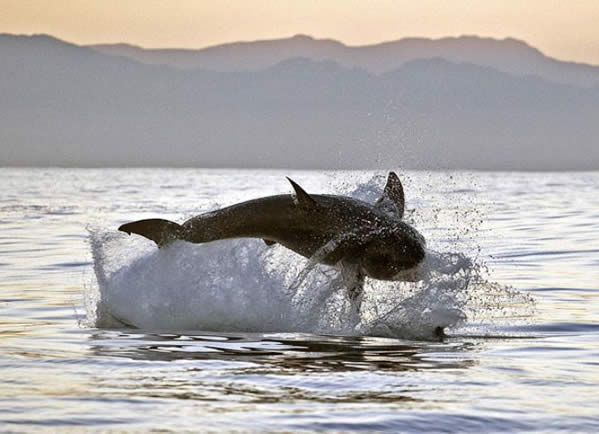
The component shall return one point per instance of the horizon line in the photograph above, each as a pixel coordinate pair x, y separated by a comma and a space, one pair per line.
305, 36
300, 169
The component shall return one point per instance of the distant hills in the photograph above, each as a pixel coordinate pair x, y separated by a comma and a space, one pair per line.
506, 55
68, 105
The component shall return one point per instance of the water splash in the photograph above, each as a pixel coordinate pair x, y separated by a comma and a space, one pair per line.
243, 285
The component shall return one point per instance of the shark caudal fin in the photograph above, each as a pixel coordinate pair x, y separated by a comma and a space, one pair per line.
162, 232
393, 200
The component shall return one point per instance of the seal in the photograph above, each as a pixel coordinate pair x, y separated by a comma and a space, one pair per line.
370, 239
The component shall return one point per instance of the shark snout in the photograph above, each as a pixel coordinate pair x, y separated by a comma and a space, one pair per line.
395, 257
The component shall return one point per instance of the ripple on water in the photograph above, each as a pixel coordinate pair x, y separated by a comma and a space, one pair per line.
510, 366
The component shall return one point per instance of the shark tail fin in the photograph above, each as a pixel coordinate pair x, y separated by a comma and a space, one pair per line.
162, 232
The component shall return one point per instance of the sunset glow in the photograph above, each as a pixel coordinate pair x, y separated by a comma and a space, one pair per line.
566, 30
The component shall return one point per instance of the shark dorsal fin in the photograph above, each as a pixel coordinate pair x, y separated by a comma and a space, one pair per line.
301, 197
393, 200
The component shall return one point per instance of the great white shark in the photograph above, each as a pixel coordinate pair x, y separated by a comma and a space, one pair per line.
369, 239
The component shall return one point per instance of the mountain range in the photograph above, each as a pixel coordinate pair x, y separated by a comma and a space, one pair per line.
506, 55
68, 105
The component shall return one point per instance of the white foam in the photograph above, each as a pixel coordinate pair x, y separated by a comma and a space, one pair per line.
243, 285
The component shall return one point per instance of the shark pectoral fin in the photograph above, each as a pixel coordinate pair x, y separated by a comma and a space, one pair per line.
302, 198
269, 242
392, 200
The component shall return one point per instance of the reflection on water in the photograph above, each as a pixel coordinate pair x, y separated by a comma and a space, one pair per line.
282, 354
259, 369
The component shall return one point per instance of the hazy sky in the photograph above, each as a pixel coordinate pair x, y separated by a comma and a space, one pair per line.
565, 29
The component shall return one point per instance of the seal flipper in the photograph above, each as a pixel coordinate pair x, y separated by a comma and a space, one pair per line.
162, 232
269, 242
393, 200
353, 279
301, 197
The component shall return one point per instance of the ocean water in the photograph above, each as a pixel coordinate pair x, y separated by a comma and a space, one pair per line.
102, 331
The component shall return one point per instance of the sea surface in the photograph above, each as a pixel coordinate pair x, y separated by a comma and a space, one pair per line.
102, 331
